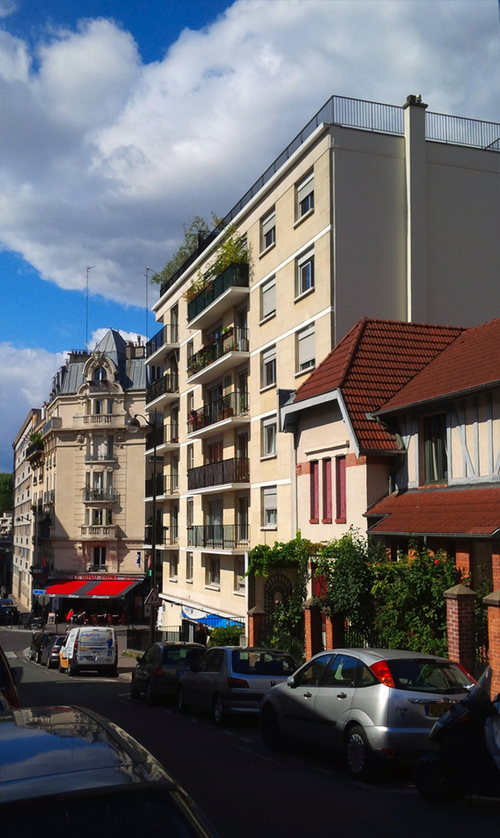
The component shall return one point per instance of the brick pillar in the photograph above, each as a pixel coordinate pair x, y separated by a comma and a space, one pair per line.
313, 628
495, 566
334, 630
256, 617
463, 558
460, 626
493, 603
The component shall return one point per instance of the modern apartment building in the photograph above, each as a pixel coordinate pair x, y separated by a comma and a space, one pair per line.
373, 210
85, 502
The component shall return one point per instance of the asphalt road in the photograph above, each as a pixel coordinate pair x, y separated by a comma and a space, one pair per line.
243, 789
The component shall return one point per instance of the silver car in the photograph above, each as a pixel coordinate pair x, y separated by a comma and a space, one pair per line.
232, 679
367, 703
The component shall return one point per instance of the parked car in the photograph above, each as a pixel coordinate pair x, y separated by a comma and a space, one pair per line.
39, 640
368, 703
157, 672
9, 614
8, 688
89, 647
232, 679
69, 771
51, 649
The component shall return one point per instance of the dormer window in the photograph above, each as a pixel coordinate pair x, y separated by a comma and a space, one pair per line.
435, 449
100, 374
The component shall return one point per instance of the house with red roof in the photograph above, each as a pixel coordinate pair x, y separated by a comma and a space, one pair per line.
397, 433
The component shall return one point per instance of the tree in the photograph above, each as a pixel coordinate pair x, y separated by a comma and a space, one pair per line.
198, 228
6, 493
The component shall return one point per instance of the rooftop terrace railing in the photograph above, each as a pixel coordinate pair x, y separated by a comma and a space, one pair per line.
366, 116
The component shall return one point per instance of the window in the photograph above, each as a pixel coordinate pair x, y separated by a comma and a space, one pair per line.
340, 493
268, 229
190, 456
327, 491
306, 355
270, 506
268, 298
175, 474
189, 512
269, 437
435, 448
305, 273
213, 571
174, 567
305, 195
312, 674
189, 567
239, 574
99, 374
314, 493
98, 407
99, 554
269, 367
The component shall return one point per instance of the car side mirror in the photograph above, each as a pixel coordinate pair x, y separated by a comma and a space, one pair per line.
291, 681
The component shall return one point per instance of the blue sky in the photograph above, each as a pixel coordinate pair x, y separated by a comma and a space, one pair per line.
120, 121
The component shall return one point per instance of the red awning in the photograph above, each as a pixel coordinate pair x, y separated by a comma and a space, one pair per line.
446, 512
93, 588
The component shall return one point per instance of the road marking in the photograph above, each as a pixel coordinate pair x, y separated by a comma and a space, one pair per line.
10, 655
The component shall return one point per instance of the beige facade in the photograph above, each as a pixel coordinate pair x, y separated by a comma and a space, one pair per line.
23, 520
364, 214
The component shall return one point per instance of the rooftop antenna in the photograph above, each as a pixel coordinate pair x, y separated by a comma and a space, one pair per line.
87, 308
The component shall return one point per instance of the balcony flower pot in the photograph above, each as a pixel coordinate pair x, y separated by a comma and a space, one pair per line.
225, 413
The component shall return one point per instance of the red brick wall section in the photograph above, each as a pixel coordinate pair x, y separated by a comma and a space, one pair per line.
303, 468
463, 558
255, 625
460, 626
493, 603
313, 629
495, 566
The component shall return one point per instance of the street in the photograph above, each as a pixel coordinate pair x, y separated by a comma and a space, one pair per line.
242, 788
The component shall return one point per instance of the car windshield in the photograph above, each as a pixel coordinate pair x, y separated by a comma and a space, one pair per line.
429, 676
259, 662
181, 654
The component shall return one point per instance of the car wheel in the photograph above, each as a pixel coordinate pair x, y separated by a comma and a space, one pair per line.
114, 671
270, 729
72, 670
435, 782
181, 701
151, 696
219, 714
359, 755
134, 692
61, 669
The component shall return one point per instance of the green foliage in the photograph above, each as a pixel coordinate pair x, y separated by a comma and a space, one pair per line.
233, 248
6, 493
346, 570
36, 437
198, 226
409, 602
228, 636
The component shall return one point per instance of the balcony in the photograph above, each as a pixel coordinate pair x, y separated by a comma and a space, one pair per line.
99, 532
218, 536
166, 389
231, 408
224, 473
49, 497
219, 355
34, 450
99, 457
164, 342
99, 495
163, 485
167, 437
99, 420
228, 289
53, 424
97, 568
160, 535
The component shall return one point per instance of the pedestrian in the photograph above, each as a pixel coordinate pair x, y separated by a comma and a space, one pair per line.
201, 634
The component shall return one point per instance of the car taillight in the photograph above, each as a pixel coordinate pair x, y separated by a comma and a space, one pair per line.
158, 672
237, 682
383, 673
76, 646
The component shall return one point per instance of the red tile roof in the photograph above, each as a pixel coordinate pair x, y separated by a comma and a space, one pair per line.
471, 361
439, 512
372, 363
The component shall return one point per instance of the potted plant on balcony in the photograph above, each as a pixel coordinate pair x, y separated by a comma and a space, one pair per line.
225, 407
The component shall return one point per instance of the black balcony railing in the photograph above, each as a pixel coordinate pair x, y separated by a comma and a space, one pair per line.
168, 384
155, 486
168, 335
218, 536
226, 406
236, 275
217, 474
160, 536
165, 434
232, 340
104, 495
33, 449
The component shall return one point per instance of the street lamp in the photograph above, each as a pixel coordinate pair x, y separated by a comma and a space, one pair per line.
133, 426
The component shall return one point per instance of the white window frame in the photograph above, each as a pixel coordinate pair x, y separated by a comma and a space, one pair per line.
268, 298
174, 568
239, 577
306, 344
270, 507
213, 572
269, 438
305, 273
268, 230
268, 363
305, 195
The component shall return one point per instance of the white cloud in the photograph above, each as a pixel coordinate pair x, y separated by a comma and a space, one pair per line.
103, 159
98, 335
25, 383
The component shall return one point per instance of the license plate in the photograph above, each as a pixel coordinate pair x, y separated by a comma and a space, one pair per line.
436, 710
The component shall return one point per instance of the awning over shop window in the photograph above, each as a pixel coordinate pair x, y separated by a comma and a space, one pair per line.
210, 620
93, 588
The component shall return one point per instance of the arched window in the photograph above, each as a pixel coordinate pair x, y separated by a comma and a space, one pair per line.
99, 374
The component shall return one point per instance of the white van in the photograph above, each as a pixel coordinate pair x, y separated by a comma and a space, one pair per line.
89, 647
